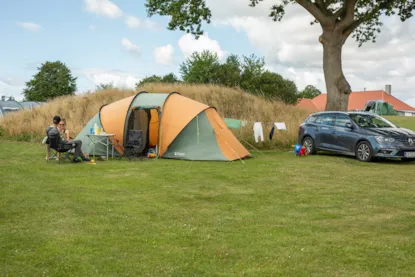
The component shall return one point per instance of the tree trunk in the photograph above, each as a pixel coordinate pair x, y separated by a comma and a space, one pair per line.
338, 89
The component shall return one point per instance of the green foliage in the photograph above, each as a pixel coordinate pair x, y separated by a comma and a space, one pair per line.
102, 87
250, 75
201, 68
274, 87
229, 73
53, 79
168, 78
1, 131
185, 15
309, 92
23, 137
252, 68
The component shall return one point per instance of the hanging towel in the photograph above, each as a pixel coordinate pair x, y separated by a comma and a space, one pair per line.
271, 134
232, 123
280, 125
258, 132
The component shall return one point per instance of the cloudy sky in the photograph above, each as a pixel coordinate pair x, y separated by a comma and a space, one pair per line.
105, 41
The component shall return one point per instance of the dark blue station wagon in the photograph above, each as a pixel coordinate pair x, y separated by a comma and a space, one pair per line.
363, 135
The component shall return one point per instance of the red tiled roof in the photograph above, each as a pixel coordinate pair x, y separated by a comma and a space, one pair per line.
358, 100
307, 104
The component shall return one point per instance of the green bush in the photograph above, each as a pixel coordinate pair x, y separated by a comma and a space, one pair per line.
1, 132
24, 137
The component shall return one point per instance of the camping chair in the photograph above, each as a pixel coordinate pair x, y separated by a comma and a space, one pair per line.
54, 143
135, 145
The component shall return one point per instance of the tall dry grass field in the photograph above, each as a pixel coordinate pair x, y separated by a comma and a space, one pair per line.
232, 103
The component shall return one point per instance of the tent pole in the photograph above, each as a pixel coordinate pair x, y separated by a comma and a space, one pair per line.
197, 122
252, 146
230, 147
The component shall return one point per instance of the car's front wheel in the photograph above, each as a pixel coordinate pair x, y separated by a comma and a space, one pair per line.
309, 145
364, 151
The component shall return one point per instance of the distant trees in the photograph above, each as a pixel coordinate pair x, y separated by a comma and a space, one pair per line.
102, 86
309, 92
168, 78
248, 73
53, 79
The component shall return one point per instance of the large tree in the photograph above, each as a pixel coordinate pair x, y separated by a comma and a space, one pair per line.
338, 19
53, 79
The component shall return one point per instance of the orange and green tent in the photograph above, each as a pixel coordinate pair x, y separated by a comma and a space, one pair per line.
177, 126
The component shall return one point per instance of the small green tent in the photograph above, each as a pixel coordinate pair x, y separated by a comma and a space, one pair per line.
380, 107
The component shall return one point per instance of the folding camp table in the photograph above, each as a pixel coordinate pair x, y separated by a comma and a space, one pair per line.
103, 139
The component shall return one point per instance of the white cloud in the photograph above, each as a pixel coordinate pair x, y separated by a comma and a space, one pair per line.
104, 8
12, 86
131, 47
30, 26
164, 54
188, 44
135, 23
119, 79
92, 27
411, 102
132, 22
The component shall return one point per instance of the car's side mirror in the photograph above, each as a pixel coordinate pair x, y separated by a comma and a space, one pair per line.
349, 125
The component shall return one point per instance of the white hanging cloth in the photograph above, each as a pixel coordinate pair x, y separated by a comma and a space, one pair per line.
280, 125
258, 132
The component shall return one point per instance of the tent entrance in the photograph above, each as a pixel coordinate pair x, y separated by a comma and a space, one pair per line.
146, 120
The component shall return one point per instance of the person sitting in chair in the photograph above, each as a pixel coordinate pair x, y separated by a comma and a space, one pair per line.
64, 133
53, 131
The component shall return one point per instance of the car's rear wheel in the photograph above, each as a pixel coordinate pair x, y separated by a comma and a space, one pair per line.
364, 152
309, 145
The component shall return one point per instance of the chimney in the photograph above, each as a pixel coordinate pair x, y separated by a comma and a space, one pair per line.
388, 89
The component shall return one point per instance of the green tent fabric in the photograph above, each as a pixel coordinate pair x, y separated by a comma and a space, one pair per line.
87, 145
197, 141
380, 107
232, 123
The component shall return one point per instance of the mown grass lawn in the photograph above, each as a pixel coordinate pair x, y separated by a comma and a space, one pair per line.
403, 121
275, 215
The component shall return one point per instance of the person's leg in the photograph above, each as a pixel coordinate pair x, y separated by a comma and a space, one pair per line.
78, 150
47, 152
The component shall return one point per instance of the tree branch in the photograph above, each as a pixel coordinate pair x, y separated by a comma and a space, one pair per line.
315, 11
329, 2
353, 25
322, 7
349, 5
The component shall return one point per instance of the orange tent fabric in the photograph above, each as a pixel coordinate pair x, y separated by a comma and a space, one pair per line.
228, 143
177, 113
113, 118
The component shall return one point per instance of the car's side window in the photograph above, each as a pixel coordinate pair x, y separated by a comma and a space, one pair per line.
341, 120
327, 119
318, 120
